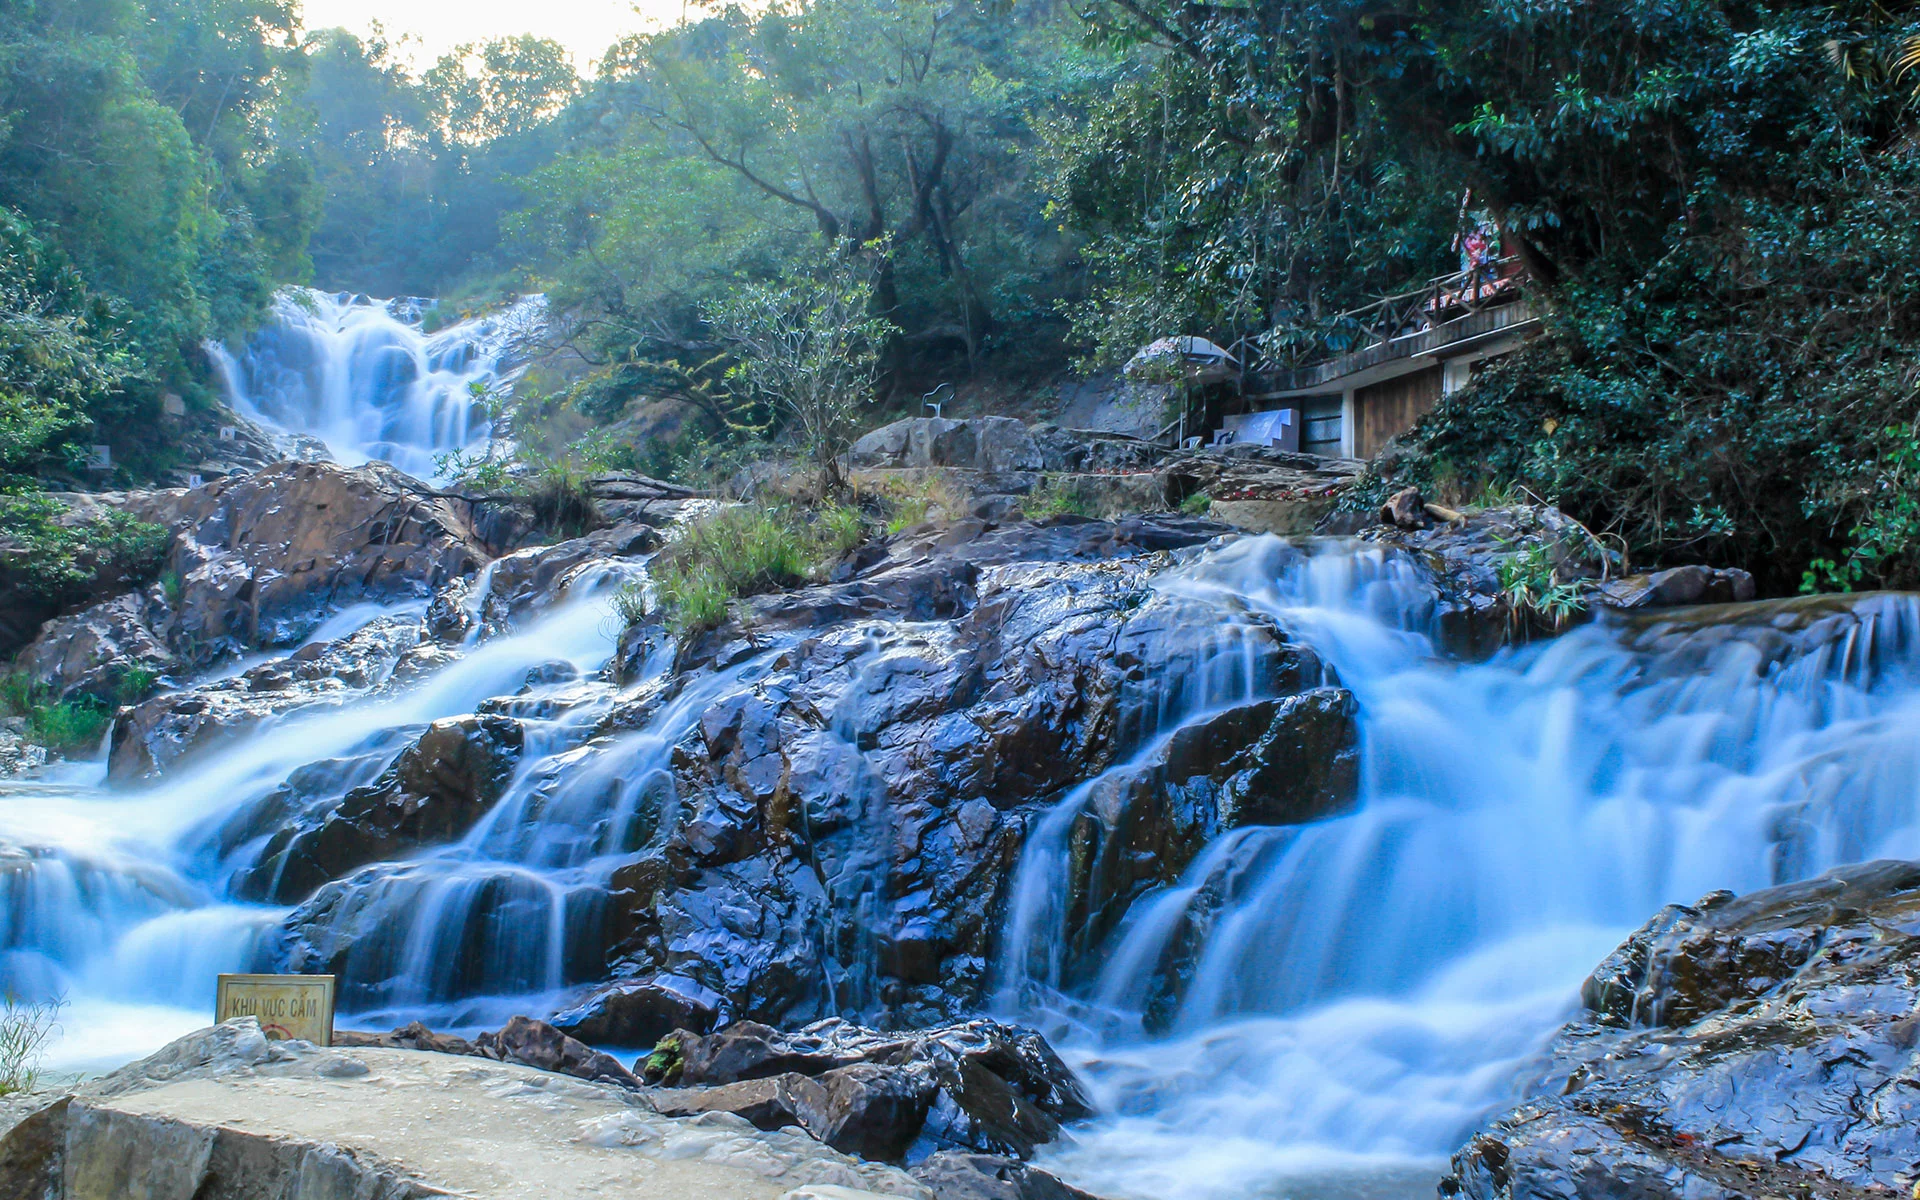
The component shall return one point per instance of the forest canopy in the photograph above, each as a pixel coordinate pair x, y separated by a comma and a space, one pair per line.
1714, 198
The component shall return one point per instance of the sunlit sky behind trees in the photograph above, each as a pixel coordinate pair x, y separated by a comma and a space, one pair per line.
585, 27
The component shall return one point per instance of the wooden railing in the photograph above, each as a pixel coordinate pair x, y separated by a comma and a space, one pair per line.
1405, 313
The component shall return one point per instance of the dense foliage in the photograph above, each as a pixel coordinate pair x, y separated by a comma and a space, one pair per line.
1716, 198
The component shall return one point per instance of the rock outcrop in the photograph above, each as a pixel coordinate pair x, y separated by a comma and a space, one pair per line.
979, 1086
901, 729
257, 562
152, 736
1762, 1045
1496, 571
434, 792
993, 444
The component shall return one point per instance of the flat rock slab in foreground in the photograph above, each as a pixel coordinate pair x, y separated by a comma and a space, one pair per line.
225, 1115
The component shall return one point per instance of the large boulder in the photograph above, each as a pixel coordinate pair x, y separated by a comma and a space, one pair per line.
434, 792
538, 1044
108, 652
995, 444
1736, 1047
641, 1012
224, 1114
262, 559
979, 1085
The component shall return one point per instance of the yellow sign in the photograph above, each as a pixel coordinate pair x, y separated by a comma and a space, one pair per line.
289, 1006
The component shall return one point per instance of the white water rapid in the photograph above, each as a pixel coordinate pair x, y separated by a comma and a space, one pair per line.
1364, 989
363, 377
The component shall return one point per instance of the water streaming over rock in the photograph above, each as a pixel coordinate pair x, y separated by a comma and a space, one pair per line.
364, 377
1328, 1008
1315, 1009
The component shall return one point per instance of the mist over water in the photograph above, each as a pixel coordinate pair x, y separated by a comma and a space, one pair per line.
362, 376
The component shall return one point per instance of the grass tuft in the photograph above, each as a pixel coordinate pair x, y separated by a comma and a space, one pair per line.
25, 1029
740, 551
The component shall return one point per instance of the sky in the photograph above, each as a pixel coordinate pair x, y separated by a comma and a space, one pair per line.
585, 27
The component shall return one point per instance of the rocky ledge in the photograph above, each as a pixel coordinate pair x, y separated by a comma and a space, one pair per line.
225, 1114
1759, 1046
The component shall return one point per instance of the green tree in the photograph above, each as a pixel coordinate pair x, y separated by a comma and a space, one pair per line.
806, 350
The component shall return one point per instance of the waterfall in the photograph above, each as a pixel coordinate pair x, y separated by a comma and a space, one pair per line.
364, 377
1307, 1010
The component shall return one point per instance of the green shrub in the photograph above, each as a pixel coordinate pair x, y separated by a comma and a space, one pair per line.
1533, 588
60, 563
74, 725
1197, 505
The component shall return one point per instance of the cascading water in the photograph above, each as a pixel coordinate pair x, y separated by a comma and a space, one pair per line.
1315, 1010
1361, 990
124, 902
363, 376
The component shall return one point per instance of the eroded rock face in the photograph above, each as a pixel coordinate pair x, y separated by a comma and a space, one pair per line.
256, 563
152, 736
833, 827
1753, 1046
1283, 761
262, 558
901, 764
435, 791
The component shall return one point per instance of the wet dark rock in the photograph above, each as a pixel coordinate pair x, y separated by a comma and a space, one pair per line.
748, 1050
263, 558
433, 793
1281, 761
989, 1087
960, 1175
776, 1102
640, 1014
411, 1036
537, 1044
1679, 586
1465, 559
101, 651
531, 581
1752, 1046
835, 831
157, 734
